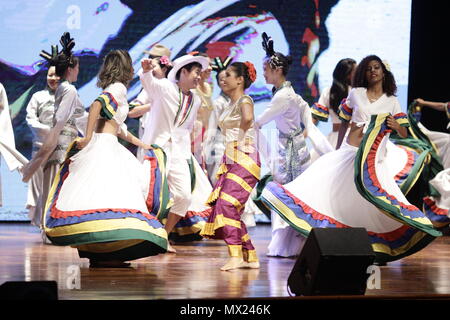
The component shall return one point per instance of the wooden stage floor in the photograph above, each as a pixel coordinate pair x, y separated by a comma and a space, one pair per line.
193, 273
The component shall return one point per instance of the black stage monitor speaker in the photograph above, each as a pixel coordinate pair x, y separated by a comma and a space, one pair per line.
333, 261
29, 290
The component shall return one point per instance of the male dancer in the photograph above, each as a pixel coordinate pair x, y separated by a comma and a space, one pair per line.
174, 111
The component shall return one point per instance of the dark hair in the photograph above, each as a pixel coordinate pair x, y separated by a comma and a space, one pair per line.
168, 68
117, 67
341, 82
282, 62
360, 79
217, 76
62, 62
188, 67
242, 71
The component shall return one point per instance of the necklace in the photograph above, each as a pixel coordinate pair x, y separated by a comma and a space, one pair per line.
371, 100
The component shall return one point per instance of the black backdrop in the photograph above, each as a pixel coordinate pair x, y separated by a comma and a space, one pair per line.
429, 69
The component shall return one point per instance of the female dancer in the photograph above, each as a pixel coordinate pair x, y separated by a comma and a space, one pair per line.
293, 156
331, 97
437, 206
101, 198
355, 186
39, 118
239, 171
214, 141
69, 119
13, 158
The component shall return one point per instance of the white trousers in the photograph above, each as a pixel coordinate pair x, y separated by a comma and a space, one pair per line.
179, 181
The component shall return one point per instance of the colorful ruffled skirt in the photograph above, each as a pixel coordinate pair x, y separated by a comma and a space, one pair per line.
105, 203
436, 182
358, 187
437, 205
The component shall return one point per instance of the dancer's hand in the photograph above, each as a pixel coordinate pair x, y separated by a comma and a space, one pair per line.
392, 123
420, 101
83, 142
147, 147
147, 64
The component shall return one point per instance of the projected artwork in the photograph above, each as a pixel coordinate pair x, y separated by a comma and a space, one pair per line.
317, 33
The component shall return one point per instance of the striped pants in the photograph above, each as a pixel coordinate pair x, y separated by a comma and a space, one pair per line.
237, 176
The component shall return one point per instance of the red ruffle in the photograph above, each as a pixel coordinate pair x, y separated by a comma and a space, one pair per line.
372, 173
434, 208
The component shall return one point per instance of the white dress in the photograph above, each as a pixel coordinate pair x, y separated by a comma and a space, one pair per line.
292, 159
40, 111
356, 187
14, 159
102, 193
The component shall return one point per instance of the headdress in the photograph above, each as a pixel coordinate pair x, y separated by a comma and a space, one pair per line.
67, 45
50, 57
273, 57
218, 65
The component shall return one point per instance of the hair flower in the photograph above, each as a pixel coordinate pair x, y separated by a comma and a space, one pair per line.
251, 70
164, 60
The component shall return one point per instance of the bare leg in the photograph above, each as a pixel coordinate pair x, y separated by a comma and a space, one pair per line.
172, 220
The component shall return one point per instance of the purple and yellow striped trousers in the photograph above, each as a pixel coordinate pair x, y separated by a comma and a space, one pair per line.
237, 176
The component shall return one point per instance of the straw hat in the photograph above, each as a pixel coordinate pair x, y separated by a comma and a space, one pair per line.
158, 50
184, 60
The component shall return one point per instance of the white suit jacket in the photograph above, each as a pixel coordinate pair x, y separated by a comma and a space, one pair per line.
161, 128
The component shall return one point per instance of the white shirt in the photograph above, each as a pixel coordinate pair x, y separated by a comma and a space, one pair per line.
68, 104
40, 112
363, 109
288, 110
7, 142
161, 128
119, 92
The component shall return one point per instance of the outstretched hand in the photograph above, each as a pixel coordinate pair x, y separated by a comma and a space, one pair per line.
147, 65
420, 101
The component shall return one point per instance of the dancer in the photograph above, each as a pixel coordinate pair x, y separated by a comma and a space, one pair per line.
331, 97
69, 119
437, 205
174, 111
101, 196
13, 158
40, 111
293, 156
239, 171
214, 139
141, 105
204, 90
347, 187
